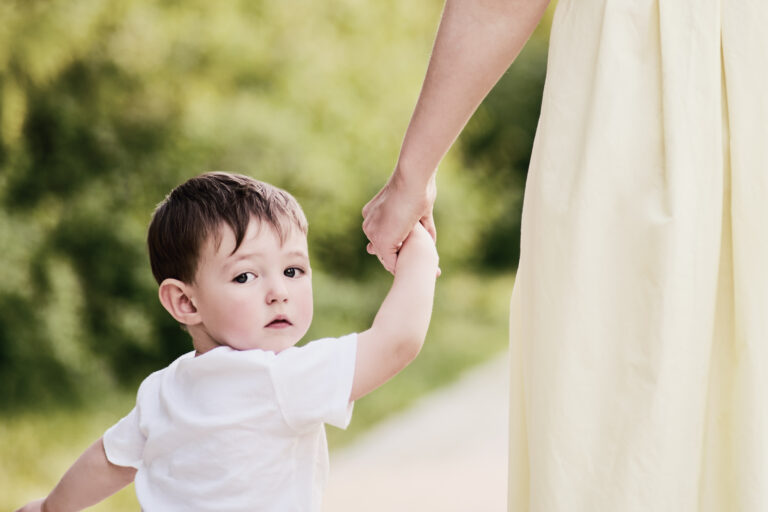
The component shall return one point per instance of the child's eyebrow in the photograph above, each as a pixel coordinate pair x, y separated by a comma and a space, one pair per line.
301, 254
258, 255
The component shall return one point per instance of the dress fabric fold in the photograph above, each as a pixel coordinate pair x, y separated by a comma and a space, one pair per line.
639, 315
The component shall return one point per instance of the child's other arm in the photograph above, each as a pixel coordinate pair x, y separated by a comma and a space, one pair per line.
398, 331
90, 479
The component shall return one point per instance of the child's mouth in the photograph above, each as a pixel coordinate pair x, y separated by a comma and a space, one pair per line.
279, 323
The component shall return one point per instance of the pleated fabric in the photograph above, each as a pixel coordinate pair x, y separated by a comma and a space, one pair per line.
639, 316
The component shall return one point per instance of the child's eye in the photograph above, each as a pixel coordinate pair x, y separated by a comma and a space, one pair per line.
292, 272
245, 277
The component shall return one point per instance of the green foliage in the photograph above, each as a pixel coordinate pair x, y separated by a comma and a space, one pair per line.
105, 105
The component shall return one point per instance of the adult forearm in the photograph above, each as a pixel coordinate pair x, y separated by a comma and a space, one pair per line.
90, 479
476, 42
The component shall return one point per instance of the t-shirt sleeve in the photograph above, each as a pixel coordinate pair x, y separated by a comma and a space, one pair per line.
313, 383
124, 441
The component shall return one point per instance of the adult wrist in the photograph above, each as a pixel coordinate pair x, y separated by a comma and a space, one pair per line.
412, 179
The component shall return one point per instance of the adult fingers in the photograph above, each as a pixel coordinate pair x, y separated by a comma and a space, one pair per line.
428, 221
388, 260
371, 204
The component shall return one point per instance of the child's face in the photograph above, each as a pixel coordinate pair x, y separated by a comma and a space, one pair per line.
258, 297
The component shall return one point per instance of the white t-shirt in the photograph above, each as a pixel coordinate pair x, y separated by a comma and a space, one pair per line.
237, 430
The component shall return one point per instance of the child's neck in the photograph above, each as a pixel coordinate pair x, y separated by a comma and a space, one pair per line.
202, 342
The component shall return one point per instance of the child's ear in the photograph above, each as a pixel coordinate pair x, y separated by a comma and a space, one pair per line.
174, 296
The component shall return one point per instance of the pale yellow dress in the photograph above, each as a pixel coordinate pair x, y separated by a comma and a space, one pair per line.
639, 325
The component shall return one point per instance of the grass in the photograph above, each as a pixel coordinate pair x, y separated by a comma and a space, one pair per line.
469, 325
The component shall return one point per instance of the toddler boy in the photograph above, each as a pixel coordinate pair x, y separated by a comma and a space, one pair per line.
238, 424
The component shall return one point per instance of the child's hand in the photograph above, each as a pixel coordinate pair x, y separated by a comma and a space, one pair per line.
419, 246
33, 506
419, 235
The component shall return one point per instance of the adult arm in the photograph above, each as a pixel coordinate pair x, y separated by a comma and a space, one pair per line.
90, 479
400, 326
476, 42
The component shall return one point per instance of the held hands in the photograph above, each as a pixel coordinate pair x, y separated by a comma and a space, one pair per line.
390, 216
418, 249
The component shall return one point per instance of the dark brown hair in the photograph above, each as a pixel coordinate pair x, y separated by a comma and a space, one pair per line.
196, 210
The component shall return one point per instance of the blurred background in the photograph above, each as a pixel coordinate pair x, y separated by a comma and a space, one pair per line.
105, 105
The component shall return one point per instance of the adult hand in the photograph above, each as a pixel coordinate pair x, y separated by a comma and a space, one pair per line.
394, 211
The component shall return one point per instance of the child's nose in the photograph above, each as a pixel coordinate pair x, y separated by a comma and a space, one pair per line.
277, 292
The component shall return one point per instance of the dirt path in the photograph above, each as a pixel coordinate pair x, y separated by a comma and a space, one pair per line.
447, 453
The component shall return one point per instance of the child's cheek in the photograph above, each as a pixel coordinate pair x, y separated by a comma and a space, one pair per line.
234, 317
307, 305
243, 314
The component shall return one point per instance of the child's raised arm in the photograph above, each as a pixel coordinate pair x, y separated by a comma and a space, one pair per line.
90, 479
398, 331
